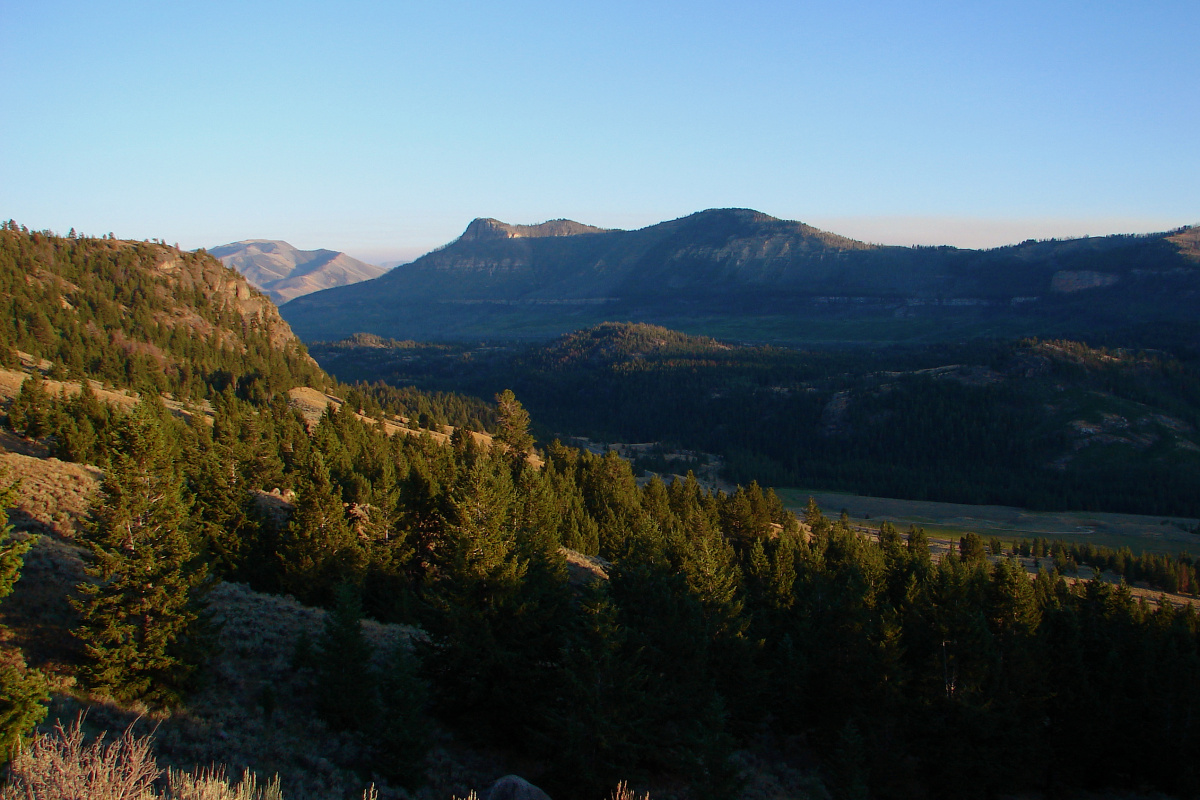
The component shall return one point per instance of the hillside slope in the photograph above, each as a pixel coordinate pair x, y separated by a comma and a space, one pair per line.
1035, 424
142, 314
283, 272
767, 278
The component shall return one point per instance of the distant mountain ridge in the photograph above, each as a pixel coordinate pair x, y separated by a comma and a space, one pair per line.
483, 229
284, 272
738, 267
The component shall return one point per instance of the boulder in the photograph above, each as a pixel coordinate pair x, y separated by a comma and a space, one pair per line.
512, 787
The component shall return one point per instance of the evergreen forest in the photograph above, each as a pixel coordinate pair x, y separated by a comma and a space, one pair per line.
703, 627
1106, 425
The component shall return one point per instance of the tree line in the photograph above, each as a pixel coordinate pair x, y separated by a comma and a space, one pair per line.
1051, 425
722, 622
724, 618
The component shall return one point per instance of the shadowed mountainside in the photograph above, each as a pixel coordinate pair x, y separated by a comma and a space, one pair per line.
738, 273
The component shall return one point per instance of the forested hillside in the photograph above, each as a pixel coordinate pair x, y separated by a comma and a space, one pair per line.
714, 645
142, 315
1037, 424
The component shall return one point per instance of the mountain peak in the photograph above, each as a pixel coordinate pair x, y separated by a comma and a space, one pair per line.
742, 215
485, 229
284, 272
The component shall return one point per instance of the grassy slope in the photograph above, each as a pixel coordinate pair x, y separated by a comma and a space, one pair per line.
1138, 532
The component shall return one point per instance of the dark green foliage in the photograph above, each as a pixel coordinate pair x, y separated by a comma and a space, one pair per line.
316, 550
512, 427
971, 548
23, 691
12, 553
722, 623
24, 694
980, 422
402, 731
345, 685
601, 729
848, 767
29, 413
140, 623
496, 598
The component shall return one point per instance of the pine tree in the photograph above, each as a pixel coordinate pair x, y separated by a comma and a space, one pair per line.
971, 548
494, 633
402, 730
23, 694
318, 550
141, 627
29, 413
512, 429
344, 680
12, 554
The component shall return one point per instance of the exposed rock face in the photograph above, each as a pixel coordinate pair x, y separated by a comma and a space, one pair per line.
232, 291
499, 279
483, 229
284, 272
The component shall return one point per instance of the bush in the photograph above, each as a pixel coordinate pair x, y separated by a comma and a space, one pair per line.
63, 766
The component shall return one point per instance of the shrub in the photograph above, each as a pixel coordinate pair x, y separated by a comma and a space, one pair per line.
64, 766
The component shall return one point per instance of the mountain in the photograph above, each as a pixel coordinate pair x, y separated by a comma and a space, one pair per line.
284, 272
742, 274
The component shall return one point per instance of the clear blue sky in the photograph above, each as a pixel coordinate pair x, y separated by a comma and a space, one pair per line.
383, 128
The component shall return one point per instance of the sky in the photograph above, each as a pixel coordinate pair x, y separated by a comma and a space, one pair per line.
383, 128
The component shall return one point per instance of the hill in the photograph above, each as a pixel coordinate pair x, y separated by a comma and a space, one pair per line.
284, 273
722, 640
142, 315
1038, 424
741, 274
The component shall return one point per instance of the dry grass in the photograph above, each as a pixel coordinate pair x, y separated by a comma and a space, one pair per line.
623, 792
312, 404
11, 380
583, 569
64, 765
53, 503
54, 495
255, 712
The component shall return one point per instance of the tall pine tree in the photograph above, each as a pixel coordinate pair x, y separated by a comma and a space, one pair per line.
22, 690
140, 622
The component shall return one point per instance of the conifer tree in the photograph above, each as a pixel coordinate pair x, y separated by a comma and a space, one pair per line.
344, 679
23, 693
512, 428
140, 623
29, 413
12, 554
402, 730
317, 551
